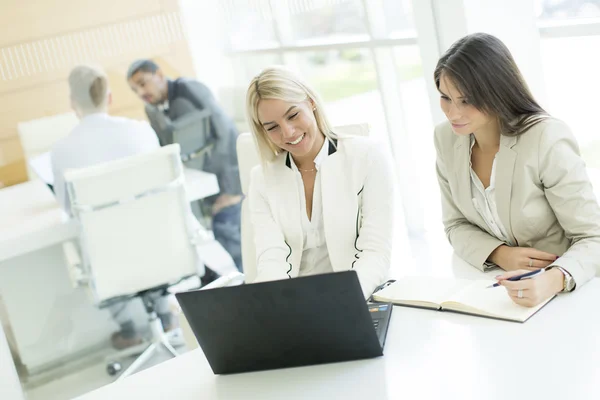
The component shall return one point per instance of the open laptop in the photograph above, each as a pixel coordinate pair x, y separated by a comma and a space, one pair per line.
288, 323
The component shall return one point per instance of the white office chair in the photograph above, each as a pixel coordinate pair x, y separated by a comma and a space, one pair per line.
247, 159
38, 136
137, 234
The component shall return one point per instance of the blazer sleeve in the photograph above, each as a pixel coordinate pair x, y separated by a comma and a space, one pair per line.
202, 98
470, 242
570, 194
161, 124
376, 220
272, 251
222, 127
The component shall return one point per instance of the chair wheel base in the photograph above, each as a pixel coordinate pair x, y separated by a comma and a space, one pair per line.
113, 368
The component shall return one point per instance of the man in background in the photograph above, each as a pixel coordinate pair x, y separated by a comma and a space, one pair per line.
100, 138
184, 111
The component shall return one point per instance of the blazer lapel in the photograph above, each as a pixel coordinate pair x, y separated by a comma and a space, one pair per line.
505, 166
339, 207
462, 170
286, 188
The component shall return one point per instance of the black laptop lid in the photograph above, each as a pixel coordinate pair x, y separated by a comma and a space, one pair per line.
287, 323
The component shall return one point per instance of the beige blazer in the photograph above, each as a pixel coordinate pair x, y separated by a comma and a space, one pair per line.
544, 198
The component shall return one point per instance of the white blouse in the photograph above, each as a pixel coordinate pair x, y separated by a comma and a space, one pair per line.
315, 256
484, 200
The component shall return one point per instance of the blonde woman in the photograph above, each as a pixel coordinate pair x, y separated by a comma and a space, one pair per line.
320, 202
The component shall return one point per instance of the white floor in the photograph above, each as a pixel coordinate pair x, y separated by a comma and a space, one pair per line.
84, 380
72, 385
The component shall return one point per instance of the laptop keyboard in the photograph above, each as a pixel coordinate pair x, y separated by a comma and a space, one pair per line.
380, 314
376, 325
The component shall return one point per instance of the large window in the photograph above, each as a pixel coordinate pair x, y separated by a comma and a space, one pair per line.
571, 72
552, 10
363, 59
570, 35
249, 27
346, 79
318, 22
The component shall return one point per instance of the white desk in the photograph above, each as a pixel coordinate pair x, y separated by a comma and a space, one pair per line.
428, 355
200, 184
31, 220
51, 320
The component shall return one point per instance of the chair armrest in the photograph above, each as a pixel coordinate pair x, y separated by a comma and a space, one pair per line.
74, 264
231, 279
201, 235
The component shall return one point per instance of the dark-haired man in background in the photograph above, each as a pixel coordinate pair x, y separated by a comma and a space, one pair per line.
185, 111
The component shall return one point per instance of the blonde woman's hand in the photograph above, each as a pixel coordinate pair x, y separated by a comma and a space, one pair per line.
533, 291
513, 258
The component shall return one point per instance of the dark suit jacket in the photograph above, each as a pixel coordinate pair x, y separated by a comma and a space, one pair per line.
188, 96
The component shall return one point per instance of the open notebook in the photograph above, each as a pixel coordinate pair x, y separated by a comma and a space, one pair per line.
460, 295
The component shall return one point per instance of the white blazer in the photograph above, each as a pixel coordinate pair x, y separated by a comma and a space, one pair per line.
358, 205
98, 138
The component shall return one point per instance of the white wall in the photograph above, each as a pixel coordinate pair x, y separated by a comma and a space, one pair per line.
202, 21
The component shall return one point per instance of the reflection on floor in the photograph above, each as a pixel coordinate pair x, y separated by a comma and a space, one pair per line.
85, 379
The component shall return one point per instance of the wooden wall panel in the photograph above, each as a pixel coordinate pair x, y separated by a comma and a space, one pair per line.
10, 150
51, 58
24, 20
13, 173
41, 41
31, 103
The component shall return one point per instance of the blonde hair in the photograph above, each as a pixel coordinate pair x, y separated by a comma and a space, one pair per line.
278, 83
89, 88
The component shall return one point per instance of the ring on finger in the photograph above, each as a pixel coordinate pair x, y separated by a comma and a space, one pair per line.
530, 262
520, 293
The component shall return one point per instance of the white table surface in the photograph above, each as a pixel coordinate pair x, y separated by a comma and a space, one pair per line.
428, 355
32, 219
200, 184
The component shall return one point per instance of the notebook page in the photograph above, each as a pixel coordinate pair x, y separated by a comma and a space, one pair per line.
422, 289
493, 301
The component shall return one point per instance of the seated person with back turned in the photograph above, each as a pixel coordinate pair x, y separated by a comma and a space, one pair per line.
515, 192
100, 138
171, 106
321, 201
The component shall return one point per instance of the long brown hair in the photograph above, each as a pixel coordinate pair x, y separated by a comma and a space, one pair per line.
486, 74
